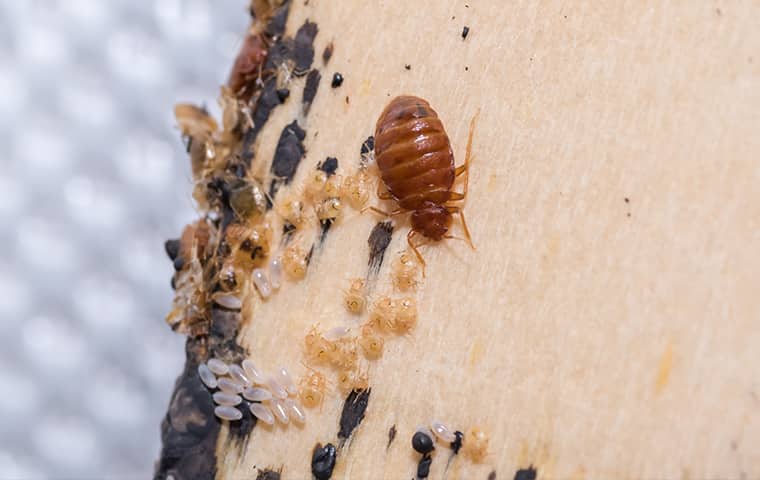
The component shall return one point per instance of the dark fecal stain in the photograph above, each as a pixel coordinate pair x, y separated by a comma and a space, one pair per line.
173, 282
628, 214
408, 67
466, 69
283, 94
465, 32
492, 475
240, 429
323, 461
337, 80
276, 25
378, 241
348, 100
179, 262
327, 53
303, 50
529, 473
329, 166
423, 468
456, 445
310, 89
391, 436
287, 232
268, 474
422, 442
287, 156
353, 412
627, 200
171, 247
324, 226
368, 146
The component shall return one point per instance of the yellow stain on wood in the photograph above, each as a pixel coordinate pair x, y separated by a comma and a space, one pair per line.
664, 369
476, 352
365, 87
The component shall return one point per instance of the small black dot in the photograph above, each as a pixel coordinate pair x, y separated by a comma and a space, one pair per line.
408, 67
628, 214
283, 94
466, 69
337, 80
465, 32
627, 200
347, 100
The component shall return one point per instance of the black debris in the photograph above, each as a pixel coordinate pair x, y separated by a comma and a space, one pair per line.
457, 443
422, 443
283, 94
329, 166
465, 32
268, 474
368, 145
327, 54
408, 67
172, 248
391, 436
287, 156
310, 89
378, 241
529, 473
337, 80
179, 262
492, 475
323, 461
276, 26
423, 468
266, 102
303, 50
353, 412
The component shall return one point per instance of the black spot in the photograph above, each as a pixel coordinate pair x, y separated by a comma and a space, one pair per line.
323, 461
241, 429
378, 241
337, 80
276, 25
348, 100
173, 282
457, 443
465, 32
179, 262
492, 475
368, 145
391, 436
324, 226
408, 67
171, 247
287, 232
303, 50
422, 443
466, 69
268, 474
309, 255
283, 94
353, 412
423, 468
328, 52
529, 473
287, 156
329, 166
627, 200
266, 102
310, 89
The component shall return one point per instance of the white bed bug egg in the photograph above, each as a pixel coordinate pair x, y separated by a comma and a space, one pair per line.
336, 333
217, 366
278, 407
224, 398
257, 378
277, 390
228, 301
262, 283
442, 432
262, 412
275, 273
229, 386
207, 376
257, 394
287, 381
225, 412
295, 410
238, 375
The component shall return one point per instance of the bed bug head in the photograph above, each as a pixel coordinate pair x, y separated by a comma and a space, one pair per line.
432, 221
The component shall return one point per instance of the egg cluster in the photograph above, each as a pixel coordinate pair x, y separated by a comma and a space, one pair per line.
271, 397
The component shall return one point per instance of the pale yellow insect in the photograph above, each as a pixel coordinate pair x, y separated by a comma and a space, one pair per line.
405, 272
329, 209
355, 189
312, 389
371, 342
294, 262
406, 315
355, 298
382, 316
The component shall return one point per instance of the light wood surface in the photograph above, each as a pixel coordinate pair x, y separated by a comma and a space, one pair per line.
590, 335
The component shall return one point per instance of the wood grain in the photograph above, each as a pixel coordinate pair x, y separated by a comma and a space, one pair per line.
608, 323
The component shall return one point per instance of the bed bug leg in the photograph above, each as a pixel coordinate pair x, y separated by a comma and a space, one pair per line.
382, 193
458, 211
383, 212
465, 167
409, 238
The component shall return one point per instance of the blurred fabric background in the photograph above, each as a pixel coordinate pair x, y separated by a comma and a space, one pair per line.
94, 178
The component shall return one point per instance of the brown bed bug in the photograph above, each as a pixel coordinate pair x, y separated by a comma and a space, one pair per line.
416, 164
248, 65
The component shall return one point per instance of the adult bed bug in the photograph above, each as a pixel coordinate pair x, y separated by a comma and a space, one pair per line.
416, 164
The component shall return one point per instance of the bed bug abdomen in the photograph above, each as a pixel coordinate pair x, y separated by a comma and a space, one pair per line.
413, 153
